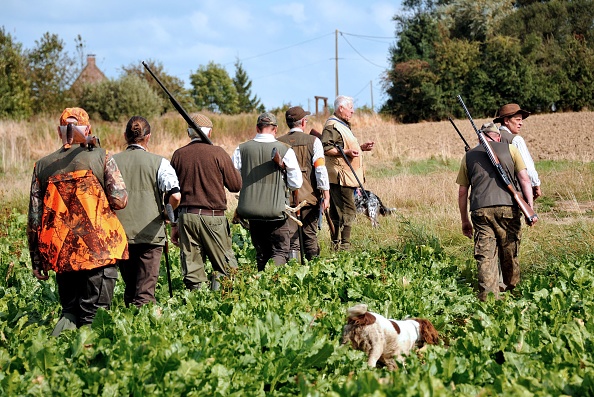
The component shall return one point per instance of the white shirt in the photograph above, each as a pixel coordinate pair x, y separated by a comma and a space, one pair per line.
321, 171
294, 177
166, 176
519, 142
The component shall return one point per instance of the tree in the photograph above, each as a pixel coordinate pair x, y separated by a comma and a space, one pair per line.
214, 90
118, 100
243, 85
173, 84
51, 72
15, 100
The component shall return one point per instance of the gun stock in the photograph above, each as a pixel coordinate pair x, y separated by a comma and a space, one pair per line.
179, 108
528, 212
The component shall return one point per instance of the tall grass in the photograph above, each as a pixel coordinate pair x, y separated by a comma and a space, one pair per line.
412, 168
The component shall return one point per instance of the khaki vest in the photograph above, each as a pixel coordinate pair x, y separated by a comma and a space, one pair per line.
487, 187
303, 144
339, 171
264, 193
141, 218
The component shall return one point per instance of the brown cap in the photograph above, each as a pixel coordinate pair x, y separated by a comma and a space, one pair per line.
81, 116
267, 118
509, 110
490, 128
295, 113
201, 120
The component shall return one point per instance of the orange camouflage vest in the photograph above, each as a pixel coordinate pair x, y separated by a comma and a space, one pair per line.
79, 230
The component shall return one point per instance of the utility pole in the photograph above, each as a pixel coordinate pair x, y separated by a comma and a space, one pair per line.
336, 58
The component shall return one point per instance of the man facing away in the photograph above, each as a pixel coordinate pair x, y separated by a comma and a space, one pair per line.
204, 171
315, 188
72, 227
265, 191
337, 132
496, 218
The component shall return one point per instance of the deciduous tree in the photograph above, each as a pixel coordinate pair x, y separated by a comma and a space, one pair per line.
15, 100
214, 90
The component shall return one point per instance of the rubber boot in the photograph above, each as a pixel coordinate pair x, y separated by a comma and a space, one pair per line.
215, 281
294, 254
345, 242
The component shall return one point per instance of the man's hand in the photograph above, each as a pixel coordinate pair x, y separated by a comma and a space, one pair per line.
536, 192
175, 235
367, 146
326, 200
40, 274
467, 229
351, 153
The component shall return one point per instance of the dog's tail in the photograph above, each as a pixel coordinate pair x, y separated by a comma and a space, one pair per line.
357, 310
428, 332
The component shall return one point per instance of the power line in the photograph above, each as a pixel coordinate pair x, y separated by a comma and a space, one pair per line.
361, 55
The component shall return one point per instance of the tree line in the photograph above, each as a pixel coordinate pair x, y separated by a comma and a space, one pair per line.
40, 81
537, 53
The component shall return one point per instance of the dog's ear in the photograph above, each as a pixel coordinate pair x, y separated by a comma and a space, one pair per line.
396, 327
362, 320
428, 332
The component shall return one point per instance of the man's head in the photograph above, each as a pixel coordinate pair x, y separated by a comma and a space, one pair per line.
267, 123
492, 131
344, 107
203, 122
296, 116
511, 116
74, 126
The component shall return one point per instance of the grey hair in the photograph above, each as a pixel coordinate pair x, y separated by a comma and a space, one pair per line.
343, 100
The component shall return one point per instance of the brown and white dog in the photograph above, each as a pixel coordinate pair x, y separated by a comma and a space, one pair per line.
383, 339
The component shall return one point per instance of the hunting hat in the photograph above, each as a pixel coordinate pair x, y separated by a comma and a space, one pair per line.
490, 128
509, 110
267, 118
295, 113
201, 120
81, 116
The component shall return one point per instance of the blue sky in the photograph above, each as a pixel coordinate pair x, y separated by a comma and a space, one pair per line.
286, 48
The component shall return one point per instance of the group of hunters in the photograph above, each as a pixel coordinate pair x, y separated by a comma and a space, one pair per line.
92, 213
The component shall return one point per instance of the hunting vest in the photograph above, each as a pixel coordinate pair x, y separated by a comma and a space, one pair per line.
141, 218
79, 230
506, 136
487, 187
302, 144
339, 171
264, 193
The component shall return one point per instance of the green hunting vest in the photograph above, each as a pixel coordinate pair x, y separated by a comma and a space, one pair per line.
141, 218
487, 187
302, 144
264, 193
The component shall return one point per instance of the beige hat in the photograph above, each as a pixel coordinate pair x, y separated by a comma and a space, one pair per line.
201, 120
490, 128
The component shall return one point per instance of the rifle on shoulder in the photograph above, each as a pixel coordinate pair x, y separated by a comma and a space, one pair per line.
528, 212
179, 108
466, 146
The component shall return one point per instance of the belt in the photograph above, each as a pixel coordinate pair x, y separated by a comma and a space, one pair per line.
202, 211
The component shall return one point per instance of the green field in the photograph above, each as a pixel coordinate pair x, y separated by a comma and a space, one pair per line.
278, 332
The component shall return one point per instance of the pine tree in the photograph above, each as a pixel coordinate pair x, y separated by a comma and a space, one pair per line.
243, 85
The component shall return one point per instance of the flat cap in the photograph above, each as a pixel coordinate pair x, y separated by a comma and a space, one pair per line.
295, 113
201, 120
490, 127
267, 118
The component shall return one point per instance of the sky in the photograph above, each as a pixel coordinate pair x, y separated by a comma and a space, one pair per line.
288, 49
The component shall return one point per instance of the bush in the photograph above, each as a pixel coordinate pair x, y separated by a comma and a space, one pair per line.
117, 100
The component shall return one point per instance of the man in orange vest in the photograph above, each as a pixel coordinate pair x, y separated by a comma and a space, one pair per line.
72, 227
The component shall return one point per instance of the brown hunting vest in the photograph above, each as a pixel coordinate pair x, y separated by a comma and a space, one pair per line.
338, 170
302, 145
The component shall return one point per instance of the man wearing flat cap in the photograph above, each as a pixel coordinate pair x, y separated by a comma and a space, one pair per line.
73, 228
496, 218
265, 190
511, 117
202, 230
315, 189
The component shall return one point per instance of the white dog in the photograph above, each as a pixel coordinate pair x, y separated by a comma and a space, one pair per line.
383, 339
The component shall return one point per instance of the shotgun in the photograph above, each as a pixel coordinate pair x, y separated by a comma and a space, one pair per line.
530, 215
466, 147
339, 148
179, 108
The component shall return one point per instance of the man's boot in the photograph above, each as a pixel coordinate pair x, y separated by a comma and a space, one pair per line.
215, 281
294, 254
345, 241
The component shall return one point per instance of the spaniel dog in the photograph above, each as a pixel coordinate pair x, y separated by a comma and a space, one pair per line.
383, 339
372, 207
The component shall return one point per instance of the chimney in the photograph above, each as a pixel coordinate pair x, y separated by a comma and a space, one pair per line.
91, 60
